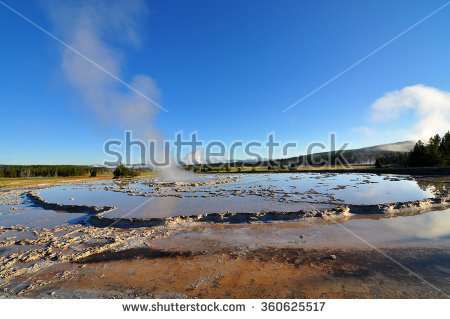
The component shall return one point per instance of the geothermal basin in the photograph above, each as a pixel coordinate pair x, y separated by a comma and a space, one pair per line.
235, 235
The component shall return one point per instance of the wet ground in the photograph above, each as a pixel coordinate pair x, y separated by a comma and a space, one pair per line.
49, 247
261, 273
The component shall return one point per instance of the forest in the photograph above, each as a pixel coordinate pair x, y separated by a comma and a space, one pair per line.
435, 153
50, 170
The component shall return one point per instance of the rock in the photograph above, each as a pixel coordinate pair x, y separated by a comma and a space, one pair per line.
302, 236
72, 198
333, 257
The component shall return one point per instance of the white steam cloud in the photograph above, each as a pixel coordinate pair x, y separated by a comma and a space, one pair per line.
194, 157
96, 29
92, 27
431, 108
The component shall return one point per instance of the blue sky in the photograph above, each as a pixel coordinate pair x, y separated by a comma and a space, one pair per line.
227, 70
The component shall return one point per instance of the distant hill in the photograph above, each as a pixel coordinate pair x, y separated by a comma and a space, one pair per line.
365, 155
403, 147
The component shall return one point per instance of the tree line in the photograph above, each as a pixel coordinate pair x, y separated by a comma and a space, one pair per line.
49, 170
122, 171
435, 153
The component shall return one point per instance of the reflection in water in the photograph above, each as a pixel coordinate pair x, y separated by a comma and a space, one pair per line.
426, 230
432, 228
436, 185
432, 225
251, 193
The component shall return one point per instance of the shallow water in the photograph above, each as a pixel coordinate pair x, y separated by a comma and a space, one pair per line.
251, 193
430, 229
24, 213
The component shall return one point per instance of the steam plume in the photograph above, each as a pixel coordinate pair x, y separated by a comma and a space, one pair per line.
95, 28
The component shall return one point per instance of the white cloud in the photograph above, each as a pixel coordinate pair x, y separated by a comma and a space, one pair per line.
430, 107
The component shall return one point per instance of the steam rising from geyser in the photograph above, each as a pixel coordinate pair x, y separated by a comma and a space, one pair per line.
93, 28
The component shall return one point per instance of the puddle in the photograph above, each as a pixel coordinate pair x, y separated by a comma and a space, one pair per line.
430, 229
251, 193
27, 214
